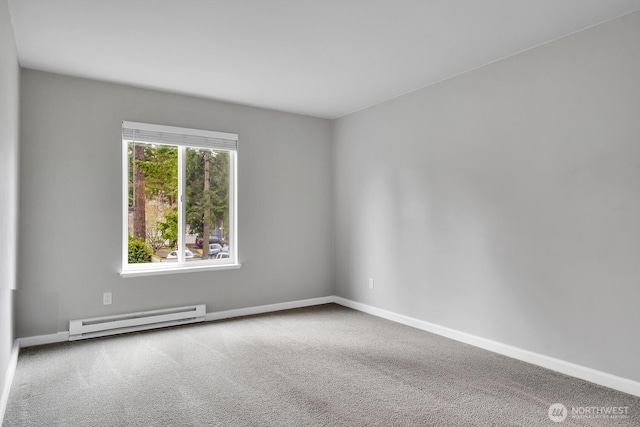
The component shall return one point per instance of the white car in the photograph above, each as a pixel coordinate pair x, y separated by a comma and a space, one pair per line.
174, 254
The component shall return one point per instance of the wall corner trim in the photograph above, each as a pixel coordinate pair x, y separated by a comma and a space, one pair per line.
588, 374
260, 309
8, 379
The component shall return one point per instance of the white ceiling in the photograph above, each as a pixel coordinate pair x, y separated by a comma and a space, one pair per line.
323, 58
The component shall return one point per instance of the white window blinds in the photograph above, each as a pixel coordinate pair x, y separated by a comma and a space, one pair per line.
145, 132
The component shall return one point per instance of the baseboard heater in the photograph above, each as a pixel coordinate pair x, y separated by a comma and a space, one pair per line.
121, 323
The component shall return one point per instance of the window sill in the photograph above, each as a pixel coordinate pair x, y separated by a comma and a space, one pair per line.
176, 270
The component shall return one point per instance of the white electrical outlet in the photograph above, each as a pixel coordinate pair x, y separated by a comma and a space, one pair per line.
370, 283
106, 298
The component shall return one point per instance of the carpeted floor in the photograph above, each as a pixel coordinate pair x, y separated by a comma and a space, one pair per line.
319, 366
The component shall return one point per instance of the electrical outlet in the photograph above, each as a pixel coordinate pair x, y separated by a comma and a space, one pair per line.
371, 284
106, 298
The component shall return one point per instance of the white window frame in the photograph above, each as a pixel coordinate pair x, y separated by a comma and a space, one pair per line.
182, 138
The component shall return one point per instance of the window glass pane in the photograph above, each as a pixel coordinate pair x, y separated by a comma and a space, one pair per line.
207, 204
180, 203
153, 202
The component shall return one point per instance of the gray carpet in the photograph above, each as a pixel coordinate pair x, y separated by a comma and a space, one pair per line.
319, 366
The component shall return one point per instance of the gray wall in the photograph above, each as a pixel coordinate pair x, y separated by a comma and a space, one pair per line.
9, 125
70, 195
505, 202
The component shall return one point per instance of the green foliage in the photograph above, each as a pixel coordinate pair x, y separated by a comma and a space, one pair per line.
169, 227
139, 251
217, 196
160, 169
130, 146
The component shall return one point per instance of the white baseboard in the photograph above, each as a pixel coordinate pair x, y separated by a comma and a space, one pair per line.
260, 309
8, 379
44, 339
592, 375
64, 335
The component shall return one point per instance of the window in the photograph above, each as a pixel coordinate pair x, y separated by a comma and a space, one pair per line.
179, 199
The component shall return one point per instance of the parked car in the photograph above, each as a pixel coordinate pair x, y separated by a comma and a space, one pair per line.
212, 239
215, 250
174, 254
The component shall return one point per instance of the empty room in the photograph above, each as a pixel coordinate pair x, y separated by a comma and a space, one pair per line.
319, 213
